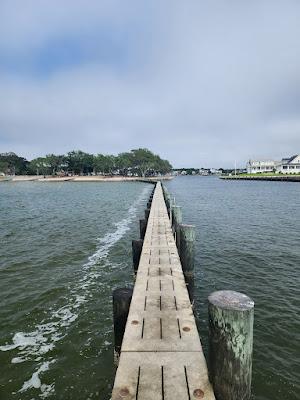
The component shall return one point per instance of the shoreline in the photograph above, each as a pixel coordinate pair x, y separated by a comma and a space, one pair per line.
279, 178
77, 178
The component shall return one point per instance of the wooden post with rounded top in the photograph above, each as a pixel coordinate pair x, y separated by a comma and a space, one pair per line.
231, 316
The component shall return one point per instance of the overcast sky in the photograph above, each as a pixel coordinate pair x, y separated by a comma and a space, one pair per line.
202, 83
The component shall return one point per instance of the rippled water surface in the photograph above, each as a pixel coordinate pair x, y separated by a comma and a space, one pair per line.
66, 246
248, 239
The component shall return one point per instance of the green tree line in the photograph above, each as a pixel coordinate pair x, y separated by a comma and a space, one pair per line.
137, 162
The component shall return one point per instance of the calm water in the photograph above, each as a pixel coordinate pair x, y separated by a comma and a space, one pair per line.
248, 239
66, 246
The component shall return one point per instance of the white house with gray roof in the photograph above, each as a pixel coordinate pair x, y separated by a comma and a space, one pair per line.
255, 166
289, 165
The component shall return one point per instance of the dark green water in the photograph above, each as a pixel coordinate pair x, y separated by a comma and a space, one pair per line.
248, 239
66, 246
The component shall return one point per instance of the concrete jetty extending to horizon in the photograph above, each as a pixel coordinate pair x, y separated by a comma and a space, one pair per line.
156, 337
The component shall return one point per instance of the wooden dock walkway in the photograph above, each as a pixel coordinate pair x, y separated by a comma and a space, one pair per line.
161, 356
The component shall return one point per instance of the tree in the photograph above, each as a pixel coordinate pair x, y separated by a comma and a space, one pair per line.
99, 163
12, 164
104, 164
109, 164
79, 162
123, 163
147, 163
40, 166
56, 163
141, 162
4, 166
162, 166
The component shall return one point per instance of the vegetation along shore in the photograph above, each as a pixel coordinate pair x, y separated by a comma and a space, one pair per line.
135, 163
83, 178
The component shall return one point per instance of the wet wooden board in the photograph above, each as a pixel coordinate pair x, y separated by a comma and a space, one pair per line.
161, 355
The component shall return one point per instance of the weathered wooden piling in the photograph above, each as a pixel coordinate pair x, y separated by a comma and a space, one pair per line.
187, 255
170, 210
143, 226
137, 246
121, 303
231, 316
177, 214
177, 220
167, 198
147, 212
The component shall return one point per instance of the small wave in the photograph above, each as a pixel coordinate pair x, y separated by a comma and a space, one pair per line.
35, 381
34, 345
110, 239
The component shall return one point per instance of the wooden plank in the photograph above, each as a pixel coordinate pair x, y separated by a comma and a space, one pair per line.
168, 376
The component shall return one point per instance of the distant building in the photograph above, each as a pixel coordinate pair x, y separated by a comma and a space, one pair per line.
285, 166
254, 167
290, 165
203, 171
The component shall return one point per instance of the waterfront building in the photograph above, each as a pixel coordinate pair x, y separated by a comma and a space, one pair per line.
289, 165
254, 167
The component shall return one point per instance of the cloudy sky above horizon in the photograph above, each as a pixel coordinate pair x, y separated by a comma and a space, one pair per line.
200, 83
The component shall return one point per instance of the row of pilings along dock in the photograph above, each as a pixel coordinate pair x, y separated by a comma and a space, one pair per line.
158, 347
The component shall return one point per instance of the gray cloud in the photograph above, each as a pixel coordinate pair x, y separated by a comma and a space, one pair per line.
203, 85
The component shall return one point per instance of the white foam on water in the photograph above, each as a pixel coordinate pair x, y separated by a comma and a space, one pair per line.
47, 390
34, 345
110, 239
35, 381
22, 340
18, 360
